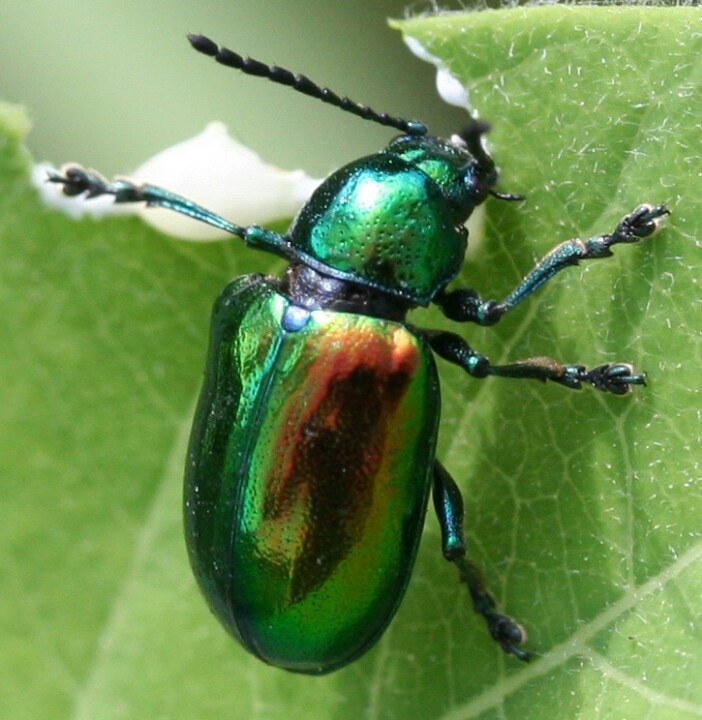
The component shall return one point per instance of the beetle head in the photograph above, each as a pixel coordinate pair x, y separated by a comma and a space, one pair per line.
461, 167
481, 174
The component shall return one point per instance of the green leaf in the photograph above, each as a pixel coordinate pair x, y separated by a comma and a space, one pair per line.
583, 509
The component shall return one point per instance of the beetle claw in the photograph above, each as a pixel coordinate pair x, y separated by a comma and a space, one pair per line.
615, 378
509, 634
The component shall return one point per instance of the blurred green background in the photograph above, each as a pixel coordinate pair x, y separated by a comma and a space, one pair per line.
110, 83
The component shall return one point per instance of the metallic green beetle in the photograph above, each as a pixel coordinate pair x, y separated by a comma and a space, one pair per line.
312, 454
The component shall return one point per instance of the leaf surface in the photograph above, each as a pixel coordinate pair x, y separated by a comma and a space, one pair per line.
583, 509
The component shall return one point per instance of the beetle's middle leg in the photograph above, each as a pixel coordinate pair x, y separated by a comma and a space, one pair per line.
449, 509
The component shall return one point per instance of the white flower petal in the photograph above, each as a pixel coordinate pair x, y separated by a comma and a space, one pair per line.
451, 90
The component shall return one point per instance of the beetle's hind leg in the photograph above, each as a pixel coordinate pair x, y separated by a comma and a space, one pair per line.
449, 509
616, 378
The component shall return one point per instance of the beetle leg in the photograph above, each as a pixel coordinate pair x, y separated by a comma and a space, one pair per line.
449, 509
615, 378
466, 305
76, 180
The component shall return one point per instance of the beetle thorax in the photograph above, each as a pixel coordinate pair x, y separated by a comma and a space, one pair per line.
392, 221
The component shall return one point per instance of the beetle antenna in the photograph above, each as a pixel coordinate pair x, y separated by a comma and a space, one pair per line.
472, 136
302, 84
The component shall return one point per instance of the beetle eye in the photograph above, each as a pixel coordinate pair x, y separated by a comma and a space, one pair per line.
478, 182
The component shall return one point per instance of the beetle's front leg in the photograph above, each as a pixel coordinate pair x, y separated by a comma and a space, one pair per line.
466, 305
76, 180
615, 378
449, 509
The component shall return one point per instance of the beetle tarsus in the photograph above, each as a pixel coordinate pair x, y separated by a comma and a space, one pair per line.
505, 630
508, 634
615, 378
640, 223
76, 180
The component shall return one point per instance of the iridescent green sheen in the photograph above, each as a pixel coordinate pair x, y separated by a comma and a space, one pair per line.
385, 222
313, 445
308, 475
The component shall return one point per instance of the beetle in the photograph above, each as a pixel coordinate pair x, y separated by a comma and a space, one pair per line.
313, 449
